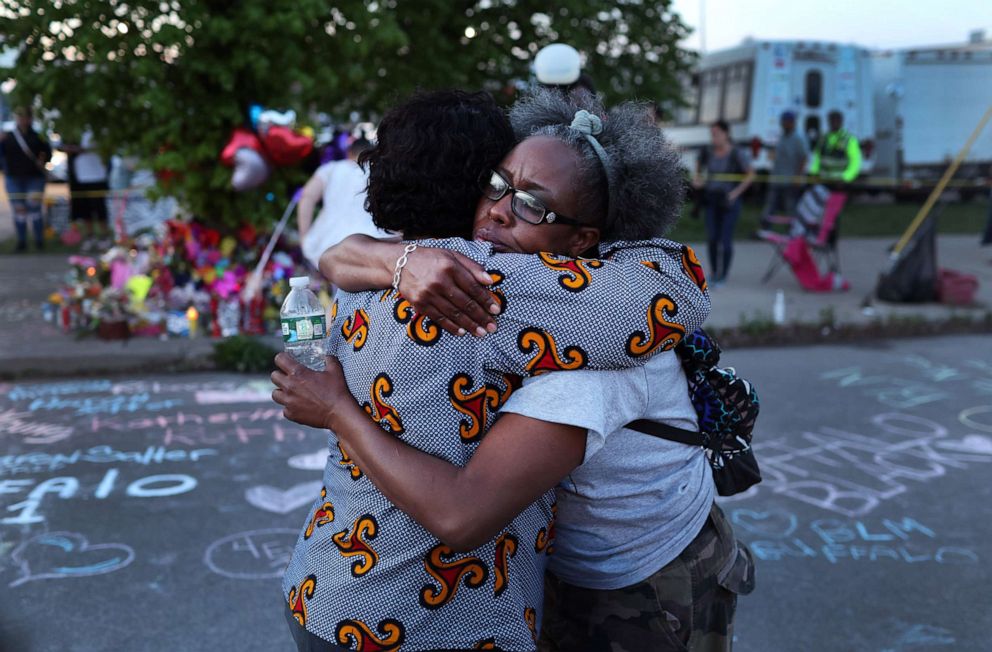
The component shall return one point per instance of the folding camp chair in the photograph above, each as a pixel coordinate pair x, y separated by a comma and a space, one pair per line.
818, 213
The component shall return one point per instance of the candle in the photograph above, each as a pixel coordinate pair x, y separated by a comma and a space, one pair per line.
192, 316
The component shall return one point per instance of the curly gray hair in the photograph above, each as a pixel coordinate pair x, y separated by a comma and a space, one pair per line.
641, 195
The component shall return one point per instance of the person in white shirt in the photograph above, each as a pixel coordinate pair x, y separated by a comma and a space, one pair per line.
88, 187
340, 186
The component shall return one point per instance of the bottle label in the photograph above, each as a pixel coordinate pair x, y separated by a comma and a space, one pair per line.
303, 329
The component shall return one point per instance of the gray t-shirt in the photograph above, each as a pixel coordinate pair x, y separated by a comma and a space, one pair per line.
789, 154
636, 501
735, 161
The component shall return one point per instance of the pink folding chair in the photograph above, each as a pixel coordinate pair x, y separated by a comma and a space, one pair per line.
819, 211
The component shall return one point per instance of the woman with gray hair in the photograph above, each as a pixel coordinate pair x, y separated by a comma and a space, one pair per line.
643, 557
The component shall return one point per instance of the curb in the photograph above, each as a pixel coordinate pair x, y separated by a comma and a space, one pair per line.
804, 334
181, 356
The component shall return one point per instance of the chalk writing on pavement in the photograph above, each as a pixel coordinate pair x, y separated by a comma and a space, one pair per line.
28, 510
852, 473
252, 555
37, 462
779, 535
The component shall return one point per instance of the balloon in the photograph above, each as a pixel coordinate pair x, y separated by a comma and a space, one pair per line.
240, 138
286, 147
227, 246
250, 170
254, 111
72, 236
138, 287
272, 117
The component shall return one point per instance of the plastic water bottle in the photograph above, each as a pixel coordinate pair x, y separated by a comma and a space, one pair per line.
778, 308
304, 324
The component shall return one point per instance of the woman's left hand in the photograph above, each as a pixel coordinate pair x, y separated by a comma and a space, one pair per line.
308, 397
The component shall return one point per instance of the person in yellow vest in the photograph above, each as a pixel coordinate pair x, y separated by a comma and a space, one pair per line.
837, 156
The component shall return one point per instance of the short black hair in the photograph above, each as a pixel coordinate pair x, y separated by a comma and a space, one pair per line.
358, 146
425, 166
722, 125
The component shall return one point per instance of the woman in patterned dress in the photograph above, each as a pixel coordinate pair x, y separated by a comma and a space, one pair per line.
558, 173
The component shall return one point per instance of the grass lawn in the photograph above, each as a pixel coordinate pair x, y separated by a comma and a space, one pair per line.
857, 220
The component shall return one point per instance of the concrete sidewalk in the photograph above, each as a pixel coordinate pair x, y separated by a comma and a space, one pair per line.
744, 298
30, 346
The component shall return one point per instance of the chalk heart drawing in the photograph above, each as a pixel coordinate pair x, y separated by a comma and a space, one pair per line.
770, 523
60, 555
281, 501
309, 461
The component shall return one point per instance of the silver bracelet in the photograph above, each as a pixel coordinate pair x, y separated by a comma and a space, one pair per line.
401, 263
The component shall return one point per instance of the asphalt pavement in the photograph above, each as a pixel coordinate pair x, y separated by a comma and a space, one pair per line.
156, 512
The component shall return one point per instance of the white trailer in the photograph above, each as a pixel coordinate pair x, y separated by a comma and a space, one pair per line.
928, 101
751, 85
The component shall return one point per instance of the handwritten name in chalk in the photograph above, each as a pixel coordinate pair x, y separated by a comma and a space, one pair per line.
84, 406
163, 387
22, 392
214, 429
20, 424
27, 511
252, 555
904, 539
25, 392
37, 462
179, 419
852, 473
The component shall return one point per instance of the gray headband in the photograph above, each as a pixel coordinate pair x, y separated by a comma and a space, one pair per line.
590, 125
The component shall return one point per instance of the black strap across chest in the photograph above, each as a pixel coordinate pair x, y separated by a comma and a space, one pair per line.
665, 431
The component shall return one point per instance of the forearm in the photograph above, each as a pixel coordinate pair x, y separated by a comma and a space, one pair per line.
853, 162
744, 184
430, 490
518, 461
360, 262
304, 215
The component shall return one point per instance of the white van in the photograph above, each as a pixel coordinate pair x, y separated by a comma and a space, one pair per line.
928, 101
751, 85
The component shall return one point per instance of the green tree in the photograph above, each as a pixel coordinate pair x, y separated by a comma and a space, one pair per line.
631, 48
167, 80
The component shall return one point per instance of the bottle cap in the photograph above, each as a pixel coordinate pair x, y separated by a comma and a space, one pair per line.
299, 282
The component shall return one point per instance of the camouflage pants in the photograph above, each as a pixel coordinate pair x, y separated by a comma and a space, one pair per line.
687, 605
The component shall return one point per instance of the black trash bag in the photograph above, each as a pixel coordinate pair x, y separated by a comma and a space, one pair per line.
913, 276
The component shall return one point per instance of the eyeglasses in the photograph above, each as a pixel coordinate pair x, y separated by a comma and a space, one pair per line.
523, 204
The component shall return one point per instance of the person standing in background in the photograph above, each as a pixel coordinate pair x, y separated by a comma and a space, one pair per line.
340, 186
25, 154
837, 156
724, 172
88, 187
790, 163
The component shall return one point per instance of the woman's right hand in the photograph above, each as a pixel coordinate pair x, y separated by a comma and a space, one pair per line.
451, 289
